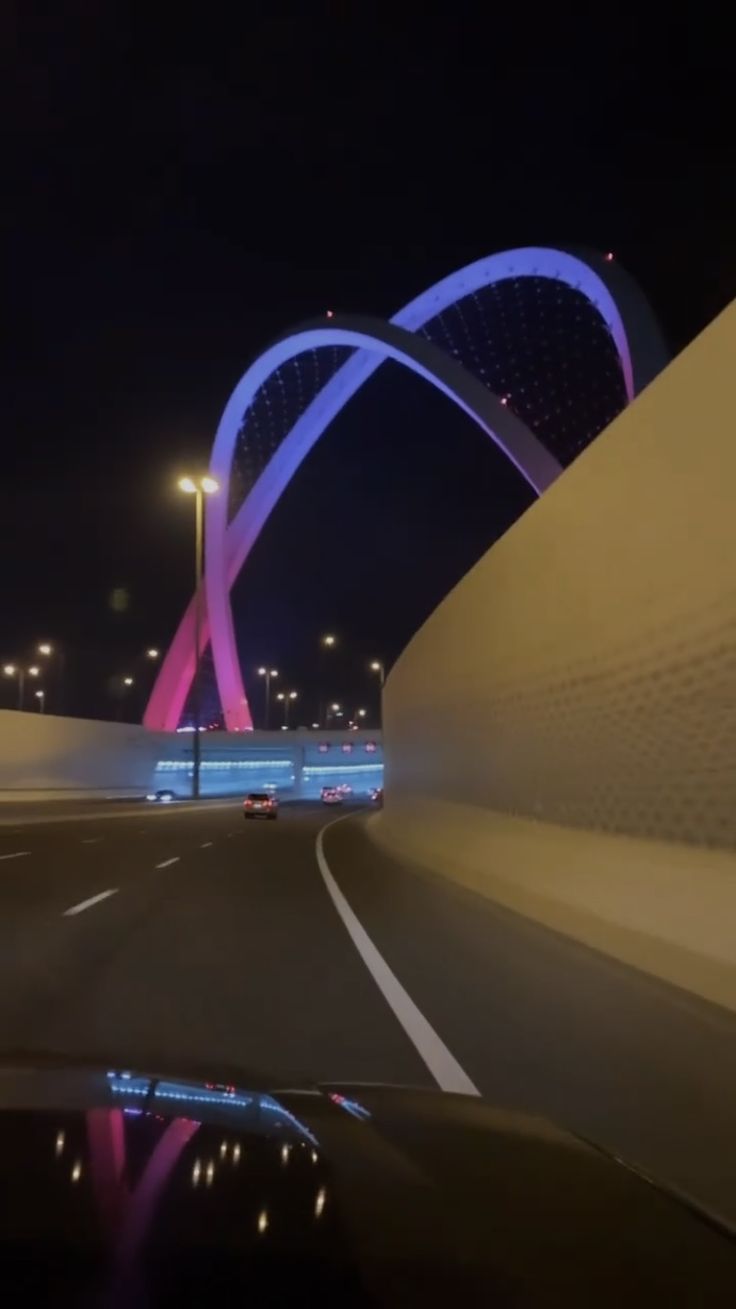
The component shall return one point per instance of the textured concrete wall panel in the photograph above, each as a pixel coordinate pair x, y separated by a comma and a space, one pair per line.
584, 672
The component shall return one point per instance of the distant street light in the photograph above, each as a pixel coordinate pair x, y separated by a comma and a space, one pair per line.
17, 670
12, 670
361, 713
127, 681
326, 642
152, 653
377, 666
199, 489
268, 673
287, 698
41, 697
55, 652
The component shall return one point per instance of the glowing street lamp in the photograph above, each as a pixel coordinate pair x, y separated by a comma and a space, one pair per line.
152, 653
287, 698
199, 488
12, 670
377, 666
127, 681
48, 650
17, 670
326, 642
268, 673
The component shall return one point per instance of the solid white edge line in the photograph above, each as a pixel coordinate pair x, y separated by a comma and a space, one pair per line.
87, 904
18, 854
205, 845
443, 1066
166, 862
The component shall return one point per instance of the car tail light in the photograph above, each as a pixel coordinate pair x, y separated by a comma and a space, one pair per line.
249, 804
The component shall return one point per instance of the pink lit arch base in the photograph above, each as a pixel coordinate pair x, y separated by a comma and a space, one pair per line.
641, 353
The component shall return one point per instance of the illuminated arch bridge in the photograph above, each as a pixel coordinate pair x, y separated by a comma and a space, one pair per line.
542, 348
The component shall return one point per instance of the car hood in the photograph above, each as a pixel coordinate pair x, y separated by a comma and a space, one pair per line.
123, 1186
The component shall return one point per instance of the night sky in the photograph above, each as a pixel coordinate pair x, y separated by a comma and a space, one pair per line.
177, 195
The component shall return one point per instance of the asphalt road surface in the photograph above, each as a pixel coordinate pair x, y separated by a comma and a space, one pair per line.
173, 936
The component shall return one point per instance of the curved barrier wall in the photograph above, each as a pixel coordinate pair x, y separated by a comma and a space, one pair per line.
583, 675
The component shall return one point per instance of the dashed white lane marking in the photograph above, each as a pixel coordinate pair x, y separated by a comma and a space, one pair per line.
205, 845
442, 1065
91, 840
87, 904
17, 854
166, 862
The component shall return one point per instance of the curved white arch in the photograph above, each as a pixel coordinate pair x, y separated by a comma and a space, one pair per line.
605, 284
388, 342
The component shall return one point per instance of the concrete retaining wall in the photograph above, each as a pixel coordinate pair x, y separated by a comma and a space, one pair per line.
45, 757
580, 682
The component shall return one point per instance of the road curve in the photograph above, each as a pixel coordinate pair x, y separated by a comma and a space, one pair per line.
184, 936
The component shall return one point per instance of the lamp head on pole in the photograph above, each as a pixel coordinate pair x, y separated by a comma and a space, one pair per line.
191, 485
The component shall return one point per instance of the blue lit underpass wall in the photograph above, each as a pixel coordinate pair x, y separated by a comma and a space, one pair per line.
561, 733
47, 757
294, 765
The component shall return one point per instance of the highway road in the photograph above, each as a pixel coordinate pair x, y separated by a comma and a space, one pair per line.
182, 935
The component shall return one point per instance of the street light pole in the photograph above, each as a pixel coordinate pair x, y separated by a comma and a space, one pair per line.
196, 684
17, 670
286, 698
268, 673
203, 486
326, 642
331, 711
57, 655
378, 666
